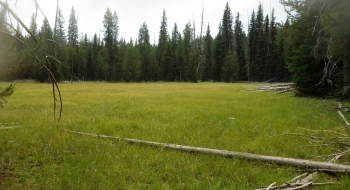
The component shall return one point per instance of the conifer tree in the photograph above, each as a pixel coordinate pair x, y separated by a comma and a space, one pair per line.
274, 55
266, 54
230, 68
220, 55
131, 63
259, 65
252, 49
94, 58
240, 48
145, 53
73, 46
167, 60
33, 25
227, 30
59, 35
174, 41
180, 58
187, 44
110, 26
282, 53
307, 71
162, 42
208, 40
73, 29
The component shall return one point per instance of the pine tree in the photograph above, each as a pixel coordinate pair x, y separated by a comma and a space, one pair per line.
330, 37
33, 25
240, 48
220, 55
73, 29
110, 33
180, 59
131, 63
227, 30
307, 71
187, 44
145, 53
167, 60
266, 54
46, 36
94, 58
260, 43
208, 40
73, 46
162, 42
282, 53
230, 68
59, 34
252, 49
174, 40
273, 53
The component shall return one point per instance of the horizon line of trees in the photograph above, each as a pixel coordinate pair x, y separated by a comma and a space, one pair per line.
178, 56
296, 50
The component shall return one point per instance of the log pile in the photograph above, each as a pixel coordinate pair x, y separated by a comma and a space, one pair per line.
281, 87
338, 138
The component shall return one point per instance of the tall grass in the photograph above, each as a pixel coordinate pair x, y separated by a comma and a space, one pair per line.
41, 155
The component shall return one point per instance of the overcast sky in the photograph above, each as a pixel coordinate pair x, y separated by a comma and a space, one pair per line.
133, 13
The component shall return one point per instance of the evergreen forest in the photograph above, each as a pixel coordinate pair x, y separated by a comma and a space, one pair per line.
311, 49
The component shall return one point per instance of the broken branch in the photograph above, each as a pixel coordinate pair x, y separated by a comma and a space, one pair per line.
343, 117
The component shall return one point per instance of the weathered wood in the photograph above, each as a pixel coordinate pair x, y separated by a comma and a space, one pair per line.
231, 154
270, 186
284, 91
343, 117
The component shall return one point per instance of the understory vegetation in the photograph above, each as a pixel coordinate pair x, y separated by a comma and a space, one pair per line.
37, 153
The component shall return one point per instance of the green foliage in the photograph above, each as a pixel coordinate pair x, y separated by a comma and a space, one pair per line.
101, 58
230, 69
73, 35
307, 71
5, 93
167, 62
147, 67
187, 43
162, 43
180, 59
319, 23
131, 64
219, 55
110, 25
282, 53
208, 41
240, 48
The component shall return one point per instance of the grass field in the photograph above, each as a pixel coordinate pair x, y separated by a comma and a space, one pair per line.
39, 154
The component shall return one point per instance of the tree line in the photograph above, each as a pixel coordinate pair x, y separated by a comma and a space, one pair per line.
308, 49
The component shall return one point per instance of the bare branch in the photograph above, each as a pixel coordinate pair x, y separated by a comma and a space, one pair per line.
19, 21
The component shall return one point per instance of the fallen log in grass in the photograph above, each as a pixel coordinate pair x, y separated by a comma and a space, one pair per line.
231, 154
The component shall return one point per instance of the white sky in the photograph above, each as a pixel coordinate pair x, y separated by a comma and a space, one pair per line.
133, 13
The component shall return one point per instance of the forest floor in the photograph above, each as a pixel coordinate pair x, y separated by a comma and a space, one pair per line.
36, 152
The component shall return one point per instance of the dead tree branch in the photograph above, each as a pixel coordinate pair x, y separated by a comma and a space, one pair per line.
46, 58
231, 154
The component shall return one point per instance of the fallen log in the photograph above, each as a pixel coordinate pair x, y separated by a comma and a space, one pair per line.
343, 117
8, 127
284, 91
231, 154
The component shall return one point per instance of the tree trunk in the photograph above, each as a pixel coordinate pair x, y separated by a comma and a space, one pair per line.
231, 154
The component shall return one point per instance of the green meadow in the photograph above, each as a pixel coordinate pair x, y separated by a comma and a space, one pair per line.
39, 154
